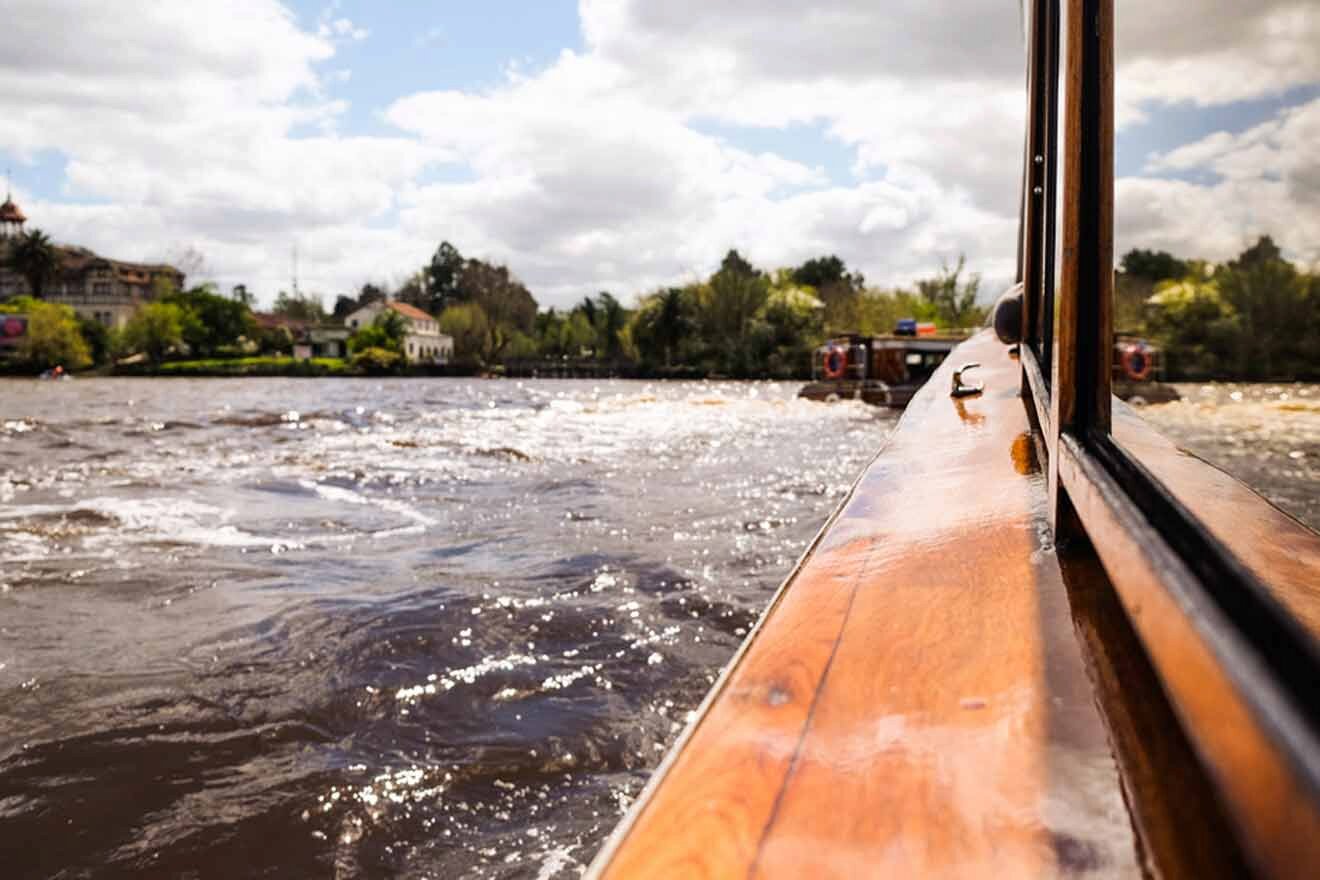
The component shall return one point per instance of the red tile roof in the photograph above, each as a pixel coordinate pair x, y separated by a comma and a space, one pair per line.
409, 311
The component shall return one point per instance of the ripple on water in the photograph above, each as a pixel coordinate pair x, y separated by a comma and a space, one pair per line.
437, 627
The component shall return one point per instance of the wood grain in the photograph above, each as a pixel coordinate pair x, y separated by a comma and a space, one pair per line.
916, 702
1282, 552
1184, 828
1099, 235
1202, 668
1067, 255
1031, 222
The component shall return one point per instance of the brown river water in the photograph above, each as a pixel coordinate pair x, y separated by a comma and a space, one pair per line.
362, 628
423, 628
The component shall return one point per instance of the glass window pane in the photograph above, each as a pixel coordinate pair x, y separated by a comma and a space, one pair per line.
1217, 277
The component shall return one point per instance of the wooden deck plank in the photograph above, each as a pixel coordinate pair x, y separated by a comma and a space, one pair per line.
916, 702
746, 740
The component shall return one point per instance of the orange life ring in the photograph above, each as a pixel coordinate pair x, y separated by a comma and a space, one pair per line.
836, 363
1137, 362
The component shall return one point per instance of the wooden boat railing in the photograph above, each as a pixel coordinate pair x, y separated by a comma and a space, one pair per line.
1037, 639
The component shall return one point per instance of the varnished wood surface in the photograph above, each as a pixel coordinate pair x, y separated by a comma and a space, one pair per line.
1183, 825
1282, 552
1031, 214
915, 703
1100, 232
1068, 222
1202, 667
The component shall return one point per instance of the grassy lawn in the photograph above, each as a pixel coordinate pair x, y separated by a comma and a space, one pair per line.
256, 366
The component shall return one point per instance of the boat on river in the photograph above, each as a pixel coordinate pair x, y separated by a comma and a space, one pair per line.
883, 370
1036, 639
889, 370
1138, 371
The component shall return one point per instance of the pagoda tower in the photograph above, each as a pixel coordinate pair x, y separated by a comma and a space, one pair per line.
12, 217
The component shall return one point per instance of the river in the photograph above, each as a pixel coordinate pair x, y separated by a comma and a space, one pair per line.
410, 627
1267, 435
352, 627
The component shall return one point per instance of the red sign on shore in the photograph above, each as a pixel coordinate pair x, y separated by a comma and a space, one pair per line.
12, 329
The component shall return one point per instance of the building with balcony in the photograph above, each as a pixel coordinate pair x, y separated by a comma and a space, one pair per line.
97, 287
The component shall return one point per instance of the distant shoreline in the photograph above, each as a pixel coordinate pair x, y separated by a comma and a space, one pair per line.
328, 368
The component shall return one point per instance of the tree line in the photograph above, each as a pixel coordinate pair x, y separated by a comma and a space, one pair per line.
741, 321
1256, 317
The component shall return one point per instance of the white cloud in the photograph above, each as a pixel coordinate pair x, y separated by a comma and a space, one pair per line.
342, 28
595, 173
187, 124
1265, 180
1212, 52
215, 125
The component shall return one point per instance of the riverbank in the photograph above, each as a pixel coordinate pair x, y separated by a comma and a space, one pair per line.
328, 368
254, 368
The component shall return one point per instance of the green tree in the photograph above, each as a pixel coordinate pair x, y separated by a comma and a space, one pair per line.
273, 340
344, 306
299, 307
210, 321
1195, 327
1153, 265
386, 332
469, 326
734, 263
505, 302
371, 293
521, 347
444, 278
368, 294
155, 330
577, 336
607, 317
731, 299
546, 331
243, 296
413, 291
821, 271
52, 337
97, 337
1275, 312
786, 330
660, 324
953, 298
37, 259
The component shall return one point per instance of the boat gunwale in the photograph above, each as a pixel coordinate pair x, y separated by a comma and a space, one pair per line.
605, 855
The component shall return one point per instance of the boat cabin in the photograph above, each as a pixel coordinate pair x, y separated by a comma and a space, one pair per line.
885, 370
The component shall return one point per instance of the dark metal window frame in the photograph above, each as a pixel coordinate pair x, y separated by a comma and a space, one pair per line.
1147, 539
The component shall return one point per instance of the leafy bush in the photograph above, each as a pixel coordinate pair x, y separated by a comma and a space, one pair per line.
52, 337
377, 361
248, 366
155, 330
469, 326
386, 332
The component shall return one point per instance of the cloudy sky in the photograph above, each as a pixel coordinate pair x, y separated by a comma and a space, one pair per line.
625, 144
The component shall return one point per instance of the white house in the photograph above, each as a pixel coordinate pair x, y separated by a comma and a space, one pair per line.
422, 343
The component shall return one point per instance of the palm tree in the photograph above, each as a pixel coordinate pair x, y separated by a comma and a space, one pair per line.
610, 319
671, 324
661, 323
36, 259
